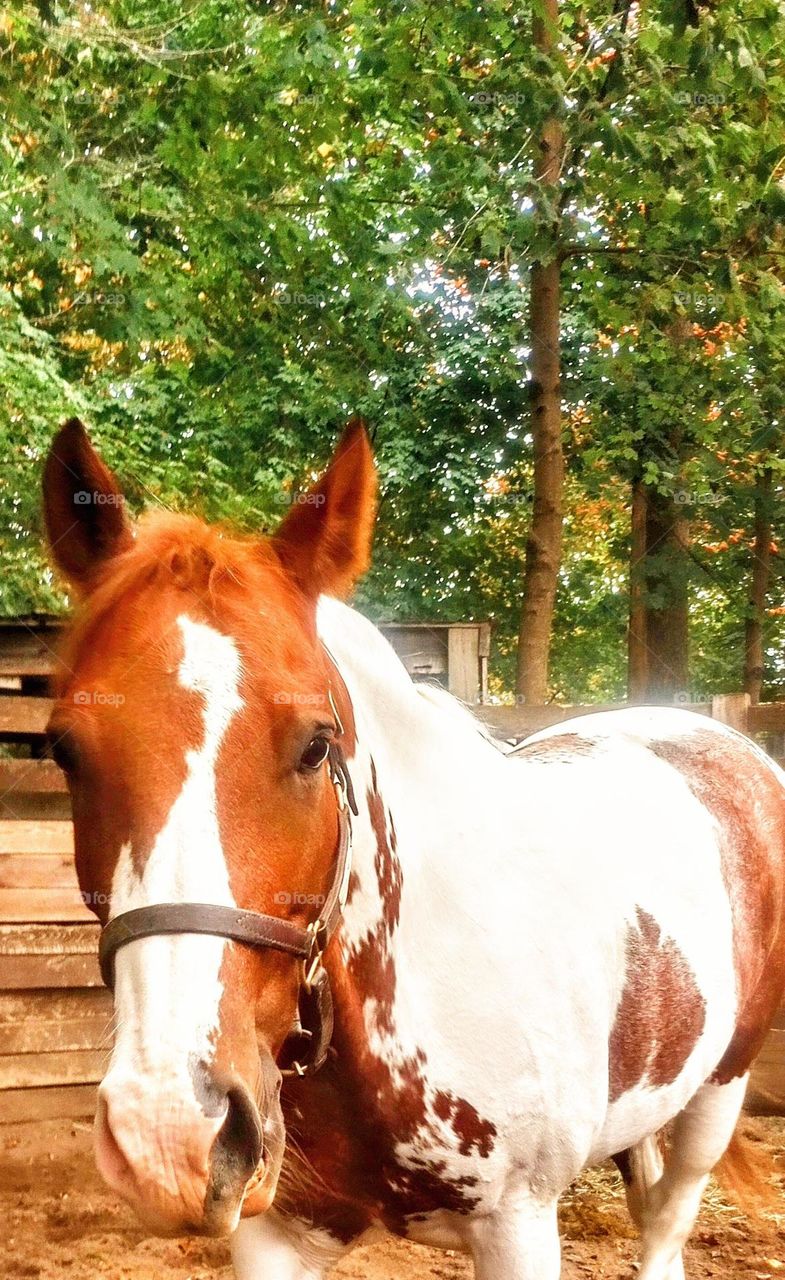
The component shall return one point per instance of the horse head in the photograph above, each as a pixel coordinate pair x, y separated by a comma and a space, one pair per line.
194, 716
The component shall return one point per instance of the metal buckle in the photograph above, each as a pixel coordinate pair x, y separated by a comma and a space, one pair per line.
296, 1067
313, 961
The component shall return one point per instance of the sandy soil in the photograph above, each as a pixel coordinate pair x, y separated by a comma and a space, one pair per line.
58, 1223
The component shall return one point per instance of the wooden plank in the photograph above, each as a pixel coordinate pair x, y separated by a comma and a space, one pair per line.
55, 955
463, 663
38, 871
384, 627
767, 717
47, 806
31, 905
17, 1007
25, 652
27, 664
23, 717
520, 721
19, 973
63, 1102
28, 1070
47, 940
47, 836
47, 1021
32, 776
422, 652
65, 1035
732, 709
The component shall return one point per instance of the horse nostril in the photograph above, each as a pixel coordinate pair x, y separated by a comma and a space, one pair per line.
237, 1149
242, 1128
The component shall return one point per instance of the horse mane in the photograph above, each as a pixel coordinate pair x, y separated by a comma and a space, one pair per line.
442, 700
209, 562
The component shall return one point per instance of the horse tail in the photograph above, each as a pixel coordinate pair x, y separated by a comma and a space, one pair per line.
746, 1172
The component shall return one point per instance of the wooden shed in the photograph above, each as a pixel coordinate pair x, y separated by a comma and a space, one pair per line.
453, 654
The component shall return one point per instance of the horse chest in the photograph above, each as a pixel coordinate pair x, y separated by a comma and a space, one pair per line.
381, 1150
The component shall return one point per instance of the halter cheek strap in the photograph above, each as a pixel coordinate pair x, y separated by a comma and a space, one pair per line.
306, 1049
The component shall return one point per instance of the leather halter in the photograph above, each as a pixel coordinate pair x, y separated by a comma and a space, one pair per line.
306, 1047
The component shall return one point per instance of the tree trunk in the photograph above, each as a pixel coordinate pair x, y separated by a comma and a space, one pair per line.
759, 586
666, 605
637, 650
544, 543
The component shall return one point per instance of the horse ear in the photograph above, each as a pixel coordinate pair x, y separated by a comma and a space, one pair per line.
84, 507
324, 542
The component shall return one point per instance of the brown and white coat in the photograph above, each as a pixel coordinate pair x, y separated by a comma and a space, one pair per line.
543, 959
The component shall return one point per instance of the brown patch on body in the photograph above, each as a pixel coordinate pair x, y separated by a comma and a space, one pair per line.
747, 800
371, 966
661, 1013
473, 1133
560, 748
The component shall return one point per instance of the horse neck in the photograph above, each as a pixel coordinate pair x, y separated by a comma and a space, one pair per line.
418, 753
417, 771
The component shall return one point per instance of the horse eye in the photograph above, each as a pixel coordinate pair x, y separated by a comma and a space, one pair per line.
315, 753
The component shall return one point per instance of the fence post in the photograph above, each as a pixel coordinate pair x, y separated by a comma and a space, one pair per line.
732, 709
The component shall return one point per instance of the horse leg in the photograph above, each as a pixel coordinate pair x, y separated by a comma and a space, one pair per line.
701, 1134
519, 1241
641, 1168
272, 1248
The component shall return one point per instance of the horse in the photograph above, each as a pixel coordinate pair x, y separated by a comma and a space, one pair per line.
368, 971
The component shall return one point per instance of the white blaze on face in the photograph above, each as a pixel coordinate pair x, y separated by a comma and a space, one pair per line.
167, 988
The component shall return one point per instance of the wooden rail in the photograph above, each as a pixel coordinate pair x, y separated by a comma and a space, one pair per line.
734, 709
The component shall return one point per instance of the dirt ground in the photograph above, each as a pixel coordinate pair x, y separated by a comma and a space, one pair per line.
59, 1223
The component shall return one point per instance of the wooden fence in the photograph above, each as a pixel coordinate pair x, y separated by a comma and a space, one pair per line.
54, 1013
764, 721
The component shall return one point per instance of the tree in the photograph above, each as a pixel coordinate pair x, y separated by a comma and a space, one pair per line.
544, 542
226, 230
754, 656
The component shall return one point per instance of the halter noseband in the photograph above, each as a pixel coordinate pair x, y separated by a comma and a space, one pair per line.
306, 1048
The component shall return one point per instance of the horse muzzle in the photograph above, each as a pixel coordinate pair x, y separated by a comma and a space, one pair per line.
189, 1161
